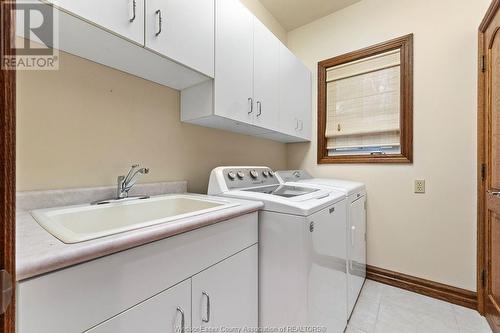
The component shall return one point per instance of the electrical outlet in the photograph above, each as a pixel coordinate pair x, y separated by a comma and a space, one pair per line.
419, 186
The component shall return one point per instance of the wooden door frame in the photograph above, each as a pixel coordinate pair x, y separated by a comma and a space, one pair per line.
7, 160
482, 156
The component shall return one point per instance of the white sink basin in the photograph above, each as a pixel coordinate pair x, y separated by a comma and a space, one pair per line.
84, 222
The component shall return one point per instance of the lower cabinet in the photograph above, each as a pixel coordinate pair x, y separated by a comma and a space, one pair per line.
169, 311
224, 295
227, 294
207, 276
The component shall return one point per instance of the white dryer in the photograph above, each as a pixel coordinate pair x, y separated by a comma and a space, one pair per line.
356, 225
302, 249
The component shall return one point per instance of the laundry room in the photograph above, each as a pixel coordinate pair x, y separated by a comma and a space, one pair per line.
250, 166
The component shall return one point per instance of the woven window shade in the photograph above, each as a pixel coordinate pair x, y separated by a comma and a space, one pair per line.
363, 103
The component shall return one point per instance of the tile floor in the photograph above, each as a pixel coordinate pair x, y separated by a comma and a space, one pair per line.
385, 309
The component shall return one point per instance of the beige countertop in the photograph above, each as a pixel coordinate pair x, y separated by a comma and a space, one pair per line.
38, 252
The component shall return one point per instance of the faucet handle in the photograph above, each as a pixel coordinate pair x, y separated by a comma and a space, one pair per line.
131, 171
125, 183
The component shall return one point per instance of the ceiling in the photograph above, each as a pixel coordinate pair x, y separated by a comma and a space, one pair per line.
292, 14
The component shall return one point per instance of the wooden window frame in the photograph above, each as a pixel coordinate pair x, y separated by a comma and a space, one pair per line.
405, 45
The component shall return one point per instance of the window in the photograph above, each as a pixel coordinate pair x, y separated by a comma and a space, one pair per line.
365, 105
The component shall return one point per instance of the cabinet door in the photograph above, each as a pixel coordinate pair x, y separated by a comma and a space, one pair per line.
266, 77
182, 31
227, 294
123, 17
234, 61
304, 112
169, 311
295, 95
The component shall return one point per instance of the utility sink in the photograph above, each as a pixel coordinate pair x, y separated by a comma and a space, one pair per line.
75, 224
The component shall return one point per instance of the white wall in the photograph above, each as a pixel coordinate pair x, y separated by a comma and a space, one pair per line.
85, 124
432, 236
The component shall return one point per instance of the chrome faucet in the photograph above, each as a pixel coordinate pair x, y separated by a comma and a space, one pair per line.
125, 183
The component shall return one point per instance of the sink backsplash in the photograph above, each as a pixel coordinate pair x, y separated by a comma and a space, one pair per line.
27, 201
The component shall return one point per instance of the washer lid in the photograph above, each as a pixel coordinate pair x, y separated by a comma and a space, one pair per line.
302, 176
349, 187
286, 191
303, 205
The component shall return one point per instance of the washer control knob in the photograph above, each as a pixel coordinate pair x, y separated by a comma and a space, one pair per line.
231, 175
265, 173
254, 174
271, 173
240, 175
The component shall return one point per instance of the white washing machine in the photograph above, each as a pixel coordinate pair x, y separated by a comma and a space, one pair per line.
356, 225
302, 249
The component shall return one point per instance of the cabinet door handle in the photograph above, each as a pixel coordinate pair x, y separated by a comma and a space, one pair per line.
259, 108
494, 193
250, 103
183, 322
296, 124
206, 319
158, 14
301, 125
134, 5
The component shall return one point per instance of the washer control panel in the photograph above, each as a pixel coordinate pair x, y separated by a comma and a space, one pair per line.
249, 177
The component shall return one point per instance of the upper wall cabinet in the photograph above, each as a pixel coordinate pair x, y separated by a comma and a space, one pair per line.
295, 94
169, 42
247, 72
250, 93
233, 73
266, 77
233, 63
183, 31
123, 17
